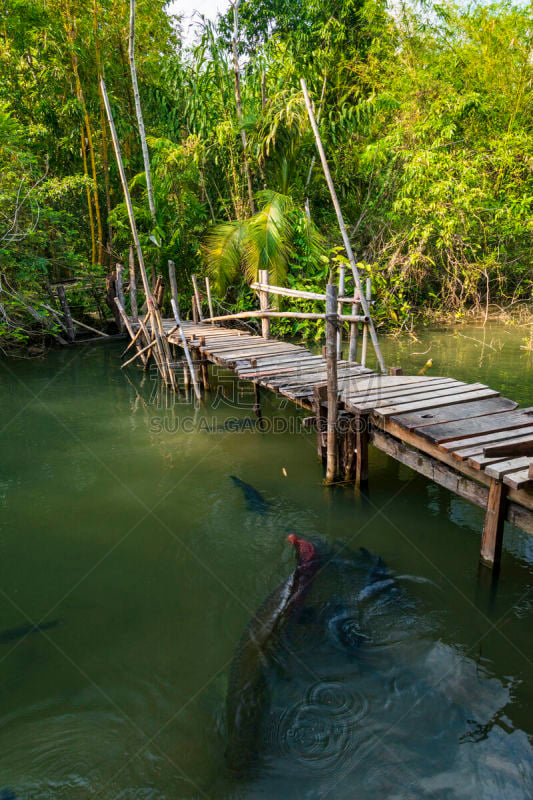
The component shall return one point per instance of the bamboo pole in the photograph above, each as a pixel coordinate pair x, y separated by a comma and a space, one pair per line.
342, 275
197, 297
209, 299
71, 333
186, 350
282, 290
238, 103
281, 315
364, 345
331, 366
138, 112
352, 350
127, 325
173, 283
133, 287
342, 227
77, 322
140, 353
140, 258
119, 291
263, 302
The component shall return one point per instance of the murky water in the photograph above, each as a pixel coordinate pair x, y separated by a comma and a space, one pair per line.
120, 521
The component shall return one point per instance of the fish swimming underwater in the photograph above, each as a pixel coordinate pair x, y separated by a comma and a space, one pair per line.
254, 499
12, 634
256, 652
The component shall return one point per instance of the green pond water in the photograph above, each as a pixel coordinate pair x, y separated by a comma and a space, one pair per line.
119, 521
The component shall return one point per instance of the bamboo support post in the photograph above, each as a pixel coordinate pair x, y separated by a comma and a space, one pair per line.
209, 298
331, 366
342, 274
204, 369
342, 226
352, 350
364, 345
173, 284
264, 303
194, 309
140, 354
143, 331
119, 291
186, 350
133, 288
71, 333
197, 297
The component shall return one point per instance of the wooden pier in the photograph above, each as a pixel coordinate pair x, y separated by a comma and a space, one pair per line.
463, 436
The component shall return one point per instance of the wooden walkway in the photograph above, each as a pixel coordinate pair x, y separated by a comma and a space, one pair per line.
463, 436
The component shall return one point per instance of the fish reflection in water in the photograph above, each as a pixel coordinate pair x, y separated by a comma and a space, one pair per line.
343, 689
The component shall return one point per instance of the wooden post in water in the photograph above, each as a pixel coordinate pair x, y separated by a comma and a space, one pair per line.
133, 288
263, 303
186, 350
71, 333
204, 371
361, 449
492, 537
173, 283
320, 394
126, 324
331, 366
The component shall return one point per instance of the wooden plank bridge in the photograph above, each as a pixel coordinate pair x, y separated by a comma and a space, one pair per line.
463, 436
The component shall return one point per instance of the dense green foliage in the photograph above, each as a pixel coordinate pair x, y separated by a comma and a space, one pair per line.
426, 115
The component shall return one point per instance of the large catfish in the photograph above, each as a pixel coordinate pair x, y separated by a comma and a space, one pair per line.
256, 652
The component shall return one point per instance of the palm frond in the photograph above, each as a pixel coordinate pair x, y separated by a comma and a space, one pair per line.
223, 253
267, 240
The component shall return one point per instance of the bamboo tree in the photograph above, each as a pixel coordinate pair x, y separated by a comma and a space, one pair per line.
138, 111
88, 191
103, 129
238, 103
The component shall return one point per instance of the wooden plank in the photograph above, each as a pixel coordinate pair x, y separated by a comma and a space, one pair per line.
428, 393
522, 446
317, 377
399, 392
309, 375
501, 468
471, 408
518, 480
476, 426
464, 448
442, 399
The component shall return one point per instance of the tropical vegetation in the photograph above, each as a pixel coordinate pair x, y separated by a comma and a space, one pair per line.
425, 110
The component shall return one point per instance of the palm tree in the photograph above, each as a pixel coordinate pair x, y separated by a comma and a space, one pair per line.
267, 240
